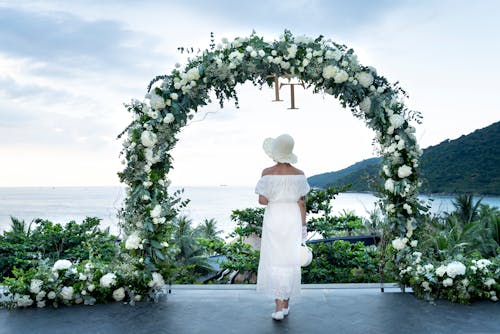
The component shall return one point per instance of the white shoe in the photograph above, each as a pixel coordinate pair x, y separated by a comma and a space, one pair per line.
277, 315
285, 311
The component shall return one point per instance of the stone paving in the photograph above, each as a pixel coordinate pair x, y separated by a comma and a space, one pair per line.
238, 309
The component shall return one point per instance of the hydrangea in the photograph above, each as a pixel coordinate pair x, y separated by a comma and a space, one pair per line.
483, 263
61, 265
396, 121
330, 71
157, 102
107, 280
148, 139
119, 294
156, 212
341, 76
365, 79
51, 295
447, 282
426, 286
455, 268
292, 51
440, 271
133, 241
365, 105
67, 292
157, 282
23, 300
35, 286
399, 243
489, 282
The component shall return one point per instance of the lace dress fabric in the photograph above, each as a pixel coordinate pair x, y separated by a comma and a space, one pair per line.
279, 265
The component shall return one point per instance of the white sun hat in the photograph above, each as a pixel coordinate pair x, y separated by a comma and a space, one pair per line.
280, 149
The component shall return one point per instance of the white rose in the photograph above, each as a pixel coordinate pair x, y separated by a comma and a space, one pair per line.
262, 53
365, 105
82, 277
67, 292
40, 304
156, 212
253, 54
169, 118
36, 286
404, 171
90, 287
157, 102
193, 74
329, 71
107, 280
61, 265
341, 76
399, 243
119, 294
51, 295
448, 282
426, 286
414, 243
133, 241
365, 79
148, 139
174, 96
389, 185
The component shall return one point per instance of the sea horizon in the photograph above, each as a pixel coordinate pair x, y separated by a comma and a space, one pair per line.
61, 204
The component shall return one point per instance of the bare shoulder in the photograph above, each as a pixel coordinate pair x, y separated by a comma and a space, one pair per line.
268, 171
297, 171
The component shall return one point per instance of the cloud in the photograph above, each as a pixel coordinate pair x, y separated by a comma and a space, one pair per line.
69, 45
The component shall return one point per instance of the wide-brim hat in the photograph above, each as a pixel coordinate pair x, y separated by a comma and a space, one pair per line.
280, 149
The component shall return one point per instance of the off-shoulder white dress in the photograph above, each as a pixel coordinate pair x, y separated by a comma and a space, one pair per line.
279, 265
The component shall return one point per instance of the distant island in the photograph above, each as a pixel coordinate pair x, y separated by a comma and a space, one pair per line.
469, 164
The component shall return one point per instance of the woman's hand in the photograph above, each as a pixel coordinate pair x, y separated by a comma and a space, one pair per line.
263, 200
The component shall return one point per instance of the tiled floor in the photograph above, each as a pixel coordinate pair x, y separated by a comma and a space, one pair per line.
318, 310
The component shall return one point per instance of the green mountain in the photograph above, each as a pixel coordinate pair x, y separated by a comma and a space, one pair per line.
470, 163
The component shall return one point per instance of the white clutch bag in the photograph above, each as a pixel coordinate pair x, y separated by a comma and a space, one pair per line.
306, 255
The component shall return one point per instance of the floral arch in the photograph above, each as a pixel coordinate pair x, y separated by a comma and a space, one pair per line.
173, 98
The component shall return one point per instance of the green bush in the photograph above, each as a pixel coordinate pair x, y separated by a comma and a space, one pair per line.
22, 247
343, 262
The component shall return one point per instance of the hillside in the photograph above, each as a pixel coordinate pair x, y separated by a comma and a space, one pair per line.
470, 163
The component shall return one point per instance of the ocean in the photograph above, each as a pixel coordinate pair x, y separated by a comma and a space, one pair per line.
63, 204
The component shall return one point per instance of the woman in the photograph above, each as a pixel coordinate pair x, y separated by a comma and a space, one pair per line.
282, 188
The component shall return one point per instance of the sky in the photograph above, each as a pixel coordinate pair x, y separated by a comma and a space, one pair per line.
67, 68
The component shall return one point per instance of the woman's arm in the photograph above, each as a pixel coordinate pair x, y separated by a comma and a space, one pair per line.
263, 200
302, 206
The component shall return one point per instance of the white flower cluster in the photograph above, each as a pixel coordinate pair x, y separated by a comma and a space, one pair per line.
108, 280
134, 241
61, 265
157, 282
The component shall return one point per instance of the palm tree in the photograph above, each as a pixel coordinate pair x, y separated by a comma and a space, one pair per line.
19, 227
465, 208
191, 254
208, 229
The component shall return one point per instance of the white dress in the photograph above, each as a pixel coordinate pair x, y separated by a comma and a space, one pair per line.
279, 265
